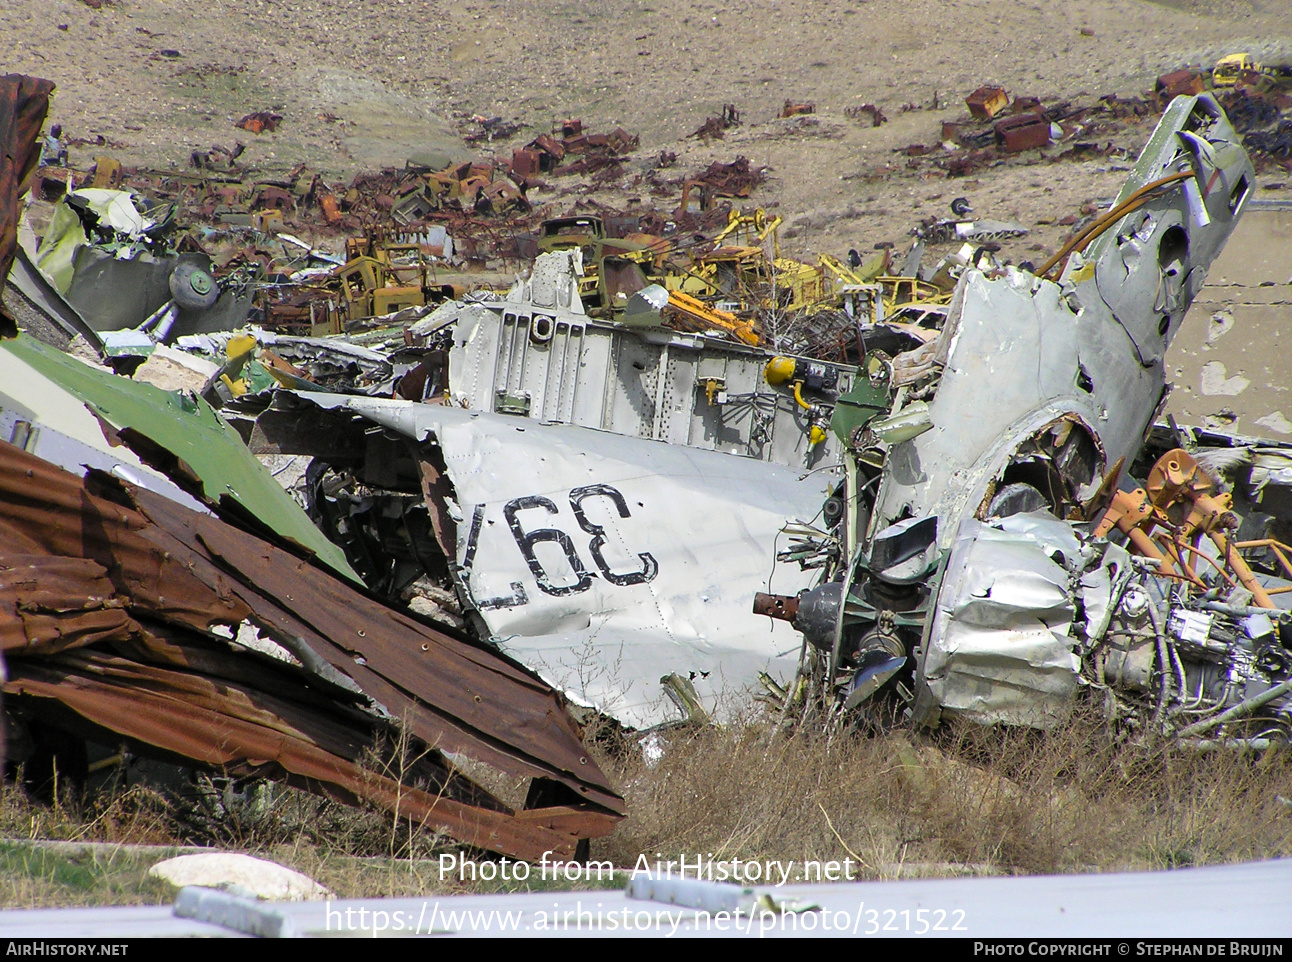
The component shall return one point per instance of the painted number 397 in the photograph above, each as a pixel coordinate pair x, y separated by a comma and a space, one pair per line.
527, 540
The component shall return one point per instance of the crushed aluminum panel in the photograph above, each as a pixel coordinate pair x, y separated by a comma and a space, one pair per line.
66, 234
1010, 369
1271, 466
328, 349
999, 649
1018, 349
605, 562
513, 357
1193, 135
1102, 585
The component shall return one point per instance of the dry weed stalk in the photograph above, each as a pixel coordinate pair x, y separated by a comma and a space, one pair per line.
968, 799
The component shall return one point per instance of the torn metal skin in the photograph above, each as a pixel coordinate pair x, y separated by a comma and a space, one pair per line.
129, 613
548, 516
536, 493
1095, 338
176, 434
603, 562
1033, 610
117, 606
537, 355
1036, 384
24, 102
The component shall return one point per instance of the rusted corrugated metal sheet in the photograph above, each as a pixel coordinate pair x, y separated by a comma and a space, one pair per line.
24, 102
108, 598
238, 728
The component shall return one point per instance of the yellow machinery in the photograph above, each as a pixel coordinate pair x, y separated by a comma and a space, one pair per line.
742, 269
367, 290
865, 274
1229, 69
613, 267
900, 291
687, 313
1235, 67
781, 370
382, 278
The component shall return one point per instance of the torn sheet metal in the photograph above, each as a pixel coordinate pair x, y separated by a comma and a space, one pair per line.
41, 310
604, 562
113, 209
178, 435
1271, 468
1189, 657
329, 363
1091, 345
115, 263
114, 293
1037, 392
55, 425
24, 102
983, 411
549, 364
117, 602
1191, 641
1000, 649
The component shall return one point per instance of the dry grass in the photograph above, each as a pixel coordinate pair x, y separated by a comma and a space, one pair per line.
968, 800
33, 874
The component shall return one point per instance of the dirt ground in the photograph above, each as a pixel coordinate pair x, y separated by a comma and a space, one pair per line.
1230, 362
365, 83
165, 77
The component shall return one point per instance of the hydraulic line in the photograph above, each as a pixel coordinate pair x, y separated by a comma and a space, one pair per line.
1132, 203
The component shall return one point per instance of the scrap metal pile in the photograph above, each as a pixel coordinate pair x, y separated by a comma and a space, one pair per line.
511, 510
162, 592
408, 239
398, 231
998, 126
163, 595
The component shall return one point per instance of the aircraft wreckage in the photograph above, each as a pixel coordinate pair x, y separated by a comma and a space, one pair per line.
162, 597
978, 557
540, 495
993, 553
512, 505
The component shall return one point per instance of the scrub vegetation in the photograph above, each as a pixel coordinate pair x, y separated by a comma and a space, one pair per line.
965, 800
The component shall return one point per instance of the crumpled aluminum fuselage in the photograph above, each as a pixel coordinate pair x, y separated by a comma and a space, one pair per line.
1046, 384
1019, 352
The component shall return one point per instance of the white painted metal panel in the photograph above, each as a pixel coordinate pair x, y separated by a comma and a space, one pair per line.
567, 368
605, 562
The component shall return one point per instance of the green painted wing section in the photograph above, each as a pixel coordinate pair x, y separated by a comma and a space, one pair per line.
214, 459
